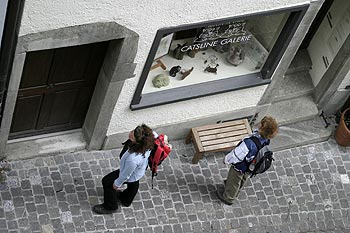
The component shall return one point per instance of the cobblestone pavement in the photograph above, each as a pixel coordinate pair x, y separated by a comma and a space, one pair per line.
307, 190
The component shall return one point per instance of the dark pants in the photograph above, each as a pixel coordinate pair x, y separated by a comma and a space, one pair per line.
110, 194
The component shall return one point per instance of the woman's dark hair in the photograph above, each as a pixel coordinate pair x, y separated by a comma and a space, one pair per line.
144, 139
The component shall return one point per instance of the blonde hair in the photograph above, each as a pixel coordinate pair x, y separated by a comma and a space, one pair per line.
268, 127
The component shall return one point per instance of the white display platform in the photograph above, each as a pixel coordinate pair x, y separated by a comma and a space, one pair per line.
224, 70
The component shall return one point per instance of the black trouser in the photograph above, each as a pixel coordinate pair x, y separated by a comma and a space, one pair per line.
110, 194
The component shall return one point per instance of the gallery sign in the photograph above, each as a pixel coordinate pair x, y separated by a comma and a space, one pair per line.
223, 34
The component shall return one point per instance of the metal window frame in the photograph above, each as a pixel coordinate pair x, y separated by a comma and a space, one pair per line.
263, 77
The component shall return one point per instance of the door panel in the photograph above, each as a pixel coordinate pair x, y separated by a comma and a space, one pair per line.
56, 89
69, 64
36, 69
61, 103
82, 103
26, 113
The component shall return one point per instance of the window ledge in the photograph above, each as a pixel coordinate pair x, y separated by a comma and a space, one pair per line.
199, 90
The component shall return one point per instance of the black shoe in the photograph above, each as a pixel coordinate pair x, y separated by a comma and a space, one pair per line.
100, 209
221, 197
125, 204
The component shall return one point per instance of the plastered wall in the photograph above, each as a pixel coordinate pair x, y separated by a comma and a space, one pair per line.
144, 18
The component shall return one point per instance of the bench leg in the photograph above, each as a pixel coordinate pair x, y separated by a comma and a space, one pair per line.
197, 156
189, 137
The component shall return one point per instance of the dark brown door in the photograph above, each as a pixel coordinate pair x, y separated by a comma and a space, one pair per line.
56, 89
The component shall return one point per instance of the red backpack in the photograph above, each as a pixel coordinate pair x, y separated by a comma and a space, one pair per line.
160, 152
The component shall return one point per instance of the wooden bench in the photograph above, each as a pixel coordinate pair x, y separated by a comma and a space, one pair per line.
217, 137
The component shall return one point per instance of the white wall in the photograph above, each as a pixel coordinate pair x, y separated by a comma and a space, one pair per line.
3, 9
145, 18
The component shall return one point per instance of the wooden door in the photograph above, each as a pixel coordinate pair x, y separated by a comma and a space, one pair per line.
56, 89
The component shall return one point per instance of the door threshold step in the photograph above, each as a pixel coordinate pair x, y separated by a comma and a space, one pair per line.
301, 133
52, 145
293, 110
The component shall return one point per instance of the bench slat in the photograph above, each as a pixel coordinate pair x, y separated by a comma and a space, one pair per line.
221, 147
223, 135
247, 125
223, 140
221, 125
221, 130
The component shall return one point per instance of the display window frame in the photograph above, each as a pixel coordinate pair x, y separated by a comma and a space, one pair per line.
262, 77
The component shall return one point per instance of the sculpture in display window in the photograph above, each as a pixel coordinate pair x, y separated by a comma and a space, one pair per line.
174, 70
161, 80
235, 55
212, 64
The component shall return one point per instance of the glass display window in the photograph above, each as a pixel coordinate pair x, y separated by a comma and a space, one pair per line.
213, 57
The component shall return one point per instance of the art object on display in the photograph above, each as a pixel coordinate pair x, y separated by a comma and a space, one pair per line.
235, 55
222, 48
164, 46
161, 80
192, 53
159, 63
185, 73
174, 70
177, 53
212, 62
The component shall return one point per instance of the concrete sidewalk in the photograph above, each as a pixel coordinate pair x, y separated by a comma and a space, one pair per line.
307, 190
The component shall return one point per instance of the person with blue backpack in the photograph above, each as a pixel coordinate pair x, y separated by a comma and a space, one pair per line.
250, 157
133, 164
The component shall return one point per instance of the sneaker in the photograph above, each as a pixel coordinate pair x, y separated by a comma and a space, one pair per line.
221, 197
100, 209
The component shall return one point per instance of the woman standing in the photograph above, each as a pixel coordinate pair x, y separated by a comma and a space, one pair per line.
133, 163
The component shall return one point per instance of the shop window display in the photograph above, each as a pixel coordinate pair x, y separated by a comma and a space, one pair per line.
197, 55
215, 52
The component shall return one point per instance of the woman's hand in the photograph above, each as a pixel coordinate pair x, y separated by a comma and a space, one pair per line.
116, 188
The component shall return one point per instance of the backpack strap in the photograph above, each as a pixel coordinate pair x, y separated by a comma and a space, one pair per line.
257, 142
156, 157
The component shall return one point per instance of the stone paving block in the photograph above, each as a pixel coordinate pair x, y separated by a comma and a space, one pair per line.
35, 226
41, 208
18, 202
49, 191
130, 223
30, 207
44, 219
33, 218
90, 226
22, 222
39, 199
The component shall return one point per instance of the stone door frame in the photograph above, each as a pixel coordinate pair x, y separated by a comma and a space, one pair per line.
117, 66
